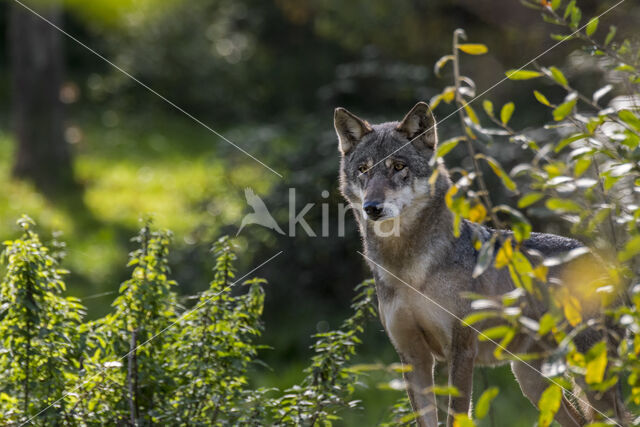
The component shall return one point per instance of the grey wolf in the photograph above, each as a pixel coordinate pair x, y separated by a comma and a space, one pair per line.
424, 253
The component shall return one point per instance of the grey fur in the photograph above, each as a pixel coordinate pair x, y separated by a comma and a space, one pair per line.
425, 254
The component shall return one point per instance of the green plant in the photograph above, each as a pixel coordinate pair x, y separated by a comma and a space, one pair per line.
39, 356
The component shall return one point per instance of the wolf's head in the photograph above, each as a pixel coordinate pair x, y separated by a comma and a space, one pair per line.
385, 168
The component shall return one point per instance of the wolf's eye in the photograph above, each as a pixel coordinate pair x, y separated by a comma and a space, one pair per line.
398, 166
363, 168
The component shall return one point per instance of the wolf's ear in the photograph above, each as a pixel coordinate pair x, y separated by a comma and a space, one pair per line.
350, 129
420, 124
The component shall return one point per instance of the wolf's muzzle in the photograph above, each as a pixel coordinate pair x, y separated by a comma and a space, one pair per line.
373, 209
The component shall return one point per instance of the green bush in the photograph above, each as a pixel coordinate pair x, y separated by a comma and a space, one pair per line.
151, 360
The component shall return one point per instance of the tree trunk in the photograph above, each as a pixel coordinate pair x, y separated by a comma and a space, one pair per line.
42, 155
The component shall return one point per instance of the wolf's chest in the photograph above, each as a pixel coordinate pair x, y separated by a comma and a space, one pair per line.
417, 307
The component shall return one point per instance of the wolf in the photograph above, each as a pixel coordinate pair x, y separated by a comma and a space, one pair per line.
421, 270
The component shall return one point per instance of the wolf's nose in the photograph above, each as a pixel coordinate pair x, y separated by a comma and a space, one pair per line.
373, 209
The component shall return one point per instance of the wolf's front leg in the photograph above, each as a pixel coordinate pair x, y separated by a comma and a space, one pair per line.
463, 354
419, 381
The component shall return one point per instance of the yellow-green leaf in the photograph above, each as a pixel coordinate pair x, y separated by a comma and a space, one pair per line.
473, 48
529, 199
563, 205
507, 112
541, 98
462, 420
488, 107
612, 33
549, 404
500, 173
558, 76
631, 249
564, 109
629, 118
471, 114
484, 402
572, 309
448, 145
522, 74
592, 26
597, 367
582, 164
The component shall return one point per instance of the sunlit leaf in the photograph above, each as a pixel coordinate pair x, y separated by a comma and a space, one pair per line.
629, 118
564, 109
631, 249
522, 74
558, 76
549, 404
484, 402
541, 98
462, 420
488, 107
446, 146
473, 49
471, 114
592, 26
529, 199
597, 366
507, 112
500, 173
610, 35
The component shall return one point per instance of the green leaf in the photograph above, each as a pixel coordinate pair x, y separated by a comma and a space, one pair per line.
592, 26
484, 402
631, 249
564, 109
522, 74
507, 112
447, 390
569, 9
478, 316
582, 164
555, 4
629, 118
597, 366
494, 333
473, 49
520, 225
462, 420
529, 199
488, 107
612, 33
558, 76
549, 404
576, 16
471, 114
500, 173
541, 98
448, 145
563, 205
568, 141
547, 322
